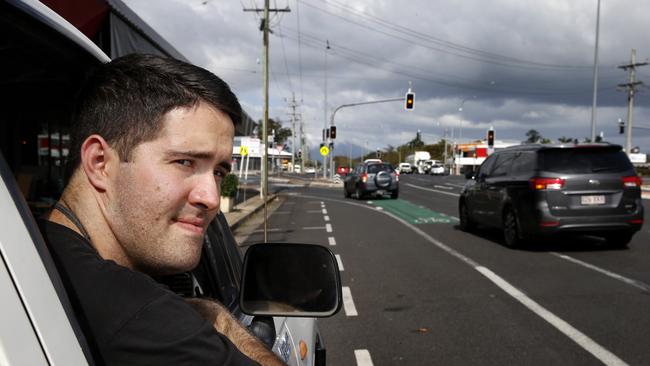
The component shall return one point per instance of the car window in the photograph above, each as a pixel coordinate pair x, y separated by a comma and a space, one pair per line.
376, 168
486, 167
502, 164
584, 160
524, 162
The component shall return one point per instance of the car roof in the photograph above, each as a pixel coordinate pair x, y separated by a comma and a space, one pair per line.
583, 145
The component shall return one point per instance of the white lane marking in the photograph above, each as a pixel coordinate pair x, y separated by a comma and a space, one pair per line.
432, 190
348, 303
331, 240
379, 208
340, 263
324, 211
328, 228
455, 185
577, 336
363, 357
442, 187
327, 218
635, 283
268, 230
313, 228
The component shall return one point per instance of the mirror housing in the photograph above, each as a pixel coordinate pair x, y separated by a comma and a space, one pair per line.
297, 280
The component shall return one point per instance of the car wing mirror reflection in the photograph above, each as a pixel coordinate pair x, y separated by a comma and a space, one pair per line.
283, 279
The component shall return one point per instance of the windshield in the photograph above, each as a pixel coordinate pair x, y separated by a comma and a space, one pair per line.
376, 168
584, 160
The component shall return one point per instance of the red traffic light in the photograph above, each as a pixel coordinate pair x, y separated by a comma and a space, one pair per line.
490, 138
409, 100
332, 132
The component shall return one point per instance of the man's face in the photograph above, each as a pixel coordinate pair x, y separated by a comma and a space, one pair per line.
162, 201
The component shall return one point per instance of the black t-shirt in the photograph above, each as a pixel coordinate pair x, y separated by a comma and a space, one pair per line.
128, 318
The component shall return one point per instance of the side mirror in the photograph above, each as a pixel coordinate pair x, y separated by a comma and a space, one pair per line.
470, 175
282, 279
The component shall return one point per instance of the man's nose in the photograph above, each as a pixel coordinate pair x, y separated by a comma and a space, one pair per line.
205, 192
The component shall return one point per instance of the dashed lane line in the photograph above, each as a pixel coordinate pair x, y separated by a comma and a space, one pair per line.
326, 218
331, 240
324, 211
635, 283
348, 303
340, 263
328, 228
363, 357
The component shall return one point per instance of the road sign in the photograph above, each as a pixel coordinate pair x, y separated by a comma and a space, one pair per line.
243, 150
324, 150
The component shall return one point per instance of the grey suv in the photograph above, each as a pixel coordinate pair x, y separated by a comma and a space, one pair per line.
372, 178
531, 191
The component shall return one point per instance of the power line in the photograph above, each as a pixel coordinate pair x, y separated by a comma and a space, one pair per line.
462, 51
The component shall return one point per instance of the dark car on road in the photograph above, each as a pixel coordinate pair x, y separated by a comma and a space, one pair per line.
533, 191
372, 178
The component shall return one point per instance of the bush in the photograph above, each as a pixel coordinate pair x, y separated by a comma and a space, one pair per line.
229, 185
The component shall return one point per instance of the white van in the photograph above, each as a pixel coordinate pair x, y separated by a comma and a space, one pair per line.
37, 325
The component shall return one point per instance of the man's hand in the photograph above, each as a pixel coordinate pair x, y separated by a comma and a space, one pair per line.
225, 324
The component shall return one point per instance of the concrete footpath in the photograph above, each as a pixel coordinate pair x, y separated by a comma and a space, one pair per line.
247, 208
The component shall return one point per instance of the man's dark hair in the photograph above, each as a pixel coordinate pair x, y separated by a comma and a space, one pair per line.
125, 100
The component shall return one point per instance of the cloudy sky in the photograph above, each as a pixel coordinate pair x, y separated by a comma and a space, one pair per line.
515, 65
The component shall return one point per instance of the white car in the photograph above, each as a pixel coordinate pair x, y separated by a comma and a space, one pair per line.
310, 170
37, 324
437, 170
405, 168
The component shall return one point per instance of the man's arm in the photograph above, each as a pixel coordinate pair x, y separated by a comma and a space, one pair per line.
227, 325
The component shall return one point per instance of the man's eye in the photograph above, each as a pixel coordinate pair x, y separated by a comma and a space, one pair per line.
184, 162
219, 173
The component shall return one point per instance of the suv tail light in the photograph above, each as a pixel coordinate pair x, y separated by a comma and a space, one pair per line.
364, 177
553, 184
631, 182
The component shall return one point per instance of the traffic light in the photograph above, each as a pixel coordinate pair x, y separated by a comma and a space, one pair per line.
490, 138
409, 99
332, 132
299, 154
621, 127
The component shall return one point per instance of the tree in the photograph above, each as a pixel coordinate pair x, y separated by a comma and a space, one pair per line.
564, 139
281, 133
533, 136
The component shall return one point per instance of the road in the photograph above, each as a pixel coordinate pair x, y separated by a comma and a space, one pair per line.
418, 291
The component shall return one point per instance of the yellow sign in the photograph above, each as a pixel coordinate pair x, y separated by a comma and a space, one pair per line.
324, 150
243, 150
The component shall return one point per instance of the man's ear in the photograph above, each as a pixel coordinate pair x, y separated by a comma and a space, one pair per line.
99, 161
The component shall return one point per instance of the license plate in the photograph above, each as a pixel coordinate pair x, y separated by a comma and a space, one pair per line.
381, 192
592, 200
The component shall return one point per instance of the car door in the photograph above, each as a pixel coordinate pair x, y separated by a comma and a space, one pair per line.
496, 187
476, 195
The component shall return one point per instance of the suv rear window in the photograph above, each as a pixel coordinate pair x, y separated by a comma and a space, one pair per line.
584, 160
376, 168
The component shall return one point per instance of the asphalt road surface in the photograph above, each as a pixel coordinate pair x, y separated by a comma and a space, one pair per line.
418, 291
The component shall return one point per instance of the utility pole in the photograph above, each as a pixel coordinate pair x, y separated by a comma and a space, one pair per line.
293, 131
595, 92
325, 137
264, 27
631, 86
303, 155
